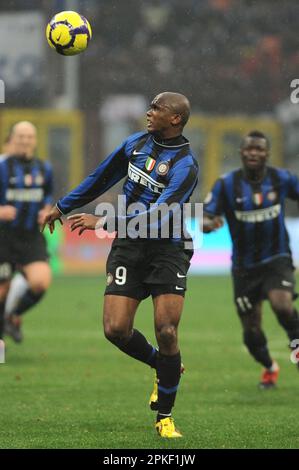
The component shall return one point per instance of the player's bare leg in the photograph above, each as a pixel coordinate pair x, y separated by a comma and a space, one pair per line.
282, 305
38, 276
118, 319
4, 288
168, 309
256, 343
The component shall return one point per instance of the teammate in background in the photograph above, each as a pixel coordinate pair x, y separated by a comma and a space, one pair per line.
25, 196
19, 284
252, 199
160, 168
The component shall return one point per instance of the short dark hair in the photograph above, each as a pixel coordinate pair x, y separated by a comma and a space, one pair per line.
256, 135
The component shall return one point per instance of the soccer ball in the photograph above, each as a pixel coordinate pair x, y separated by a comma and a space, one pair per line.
68, 33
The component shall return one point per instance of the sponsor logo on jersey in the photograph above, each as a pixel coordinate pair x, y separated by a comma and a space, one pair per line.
150, 163
163, 168
25, 195
260, 215
138, 176
257, 198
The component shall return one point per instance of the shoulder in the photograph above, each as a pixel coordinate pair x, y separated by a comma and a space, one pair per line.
46, 164
282, 174
230, 176
184, 165
133, 139
191, 158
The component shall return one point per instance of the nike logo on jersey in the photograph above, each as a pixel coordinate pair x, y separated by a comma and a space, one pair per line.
180, 275
241, 199
139, 153
179, 288
286, 283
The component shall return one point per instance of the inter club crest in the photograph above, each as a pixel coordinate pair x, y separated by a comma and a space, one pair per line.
39, 180
257, 198
271, 196
163, 168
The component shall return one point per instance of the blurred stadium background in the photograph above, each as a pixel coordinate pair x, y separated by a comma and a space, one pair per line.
235, 60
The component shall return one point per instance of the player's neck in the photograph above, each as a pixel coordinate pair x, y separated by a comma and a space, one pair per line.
255, 176
169, 140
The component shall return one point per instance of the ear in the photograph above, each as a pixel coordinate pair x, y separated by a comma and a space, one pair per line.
176, 120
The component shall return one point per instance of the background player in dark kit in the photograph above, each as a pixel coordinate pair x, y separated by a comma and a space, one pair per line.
25, 197
252, 199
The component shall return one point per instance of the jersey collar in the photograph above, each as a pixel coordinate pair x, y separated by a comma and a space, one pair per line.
175, 142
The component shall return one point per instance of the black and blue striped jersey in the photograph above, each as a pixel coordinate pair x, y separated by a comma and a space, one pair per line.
156, 172
26, 184
255, 214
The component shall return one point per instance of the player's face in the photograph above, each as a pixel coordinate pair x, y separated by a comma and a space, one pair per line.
24, 141
160, 117
254, 153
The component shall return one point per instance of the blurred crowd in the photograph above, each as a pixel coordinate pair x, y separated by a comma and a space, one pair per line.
226, 55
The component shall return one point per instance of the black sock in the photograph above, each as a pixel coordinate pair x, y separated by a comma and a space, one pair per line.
256, 343
138, 347
27, 301
2, 308
169, 374
290, 323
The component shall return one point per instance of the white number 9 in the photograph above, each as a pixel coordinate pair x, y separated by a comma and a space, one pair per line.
120, 275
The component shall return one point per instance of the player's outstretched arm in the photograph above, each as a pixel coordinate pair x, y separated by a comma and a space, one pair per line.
50, 218
86, 222
211, 223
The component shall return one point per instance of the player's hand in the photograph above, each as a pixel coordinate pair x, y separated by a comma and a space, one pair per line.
212, 223
8, 213
85, 222
49, 218
42, 215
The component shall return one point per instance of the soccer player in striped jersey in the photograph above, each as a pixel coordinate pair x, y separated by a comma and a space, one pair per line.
159, 167
18, 285
252, 198
25, 195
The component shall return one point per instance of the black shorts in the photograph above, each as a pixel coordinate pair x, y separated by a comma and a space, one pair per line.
253, 285
19, 248
139, 268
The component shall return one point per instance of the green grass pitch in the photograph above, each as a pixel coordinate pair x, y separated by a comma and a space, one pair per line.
67, 387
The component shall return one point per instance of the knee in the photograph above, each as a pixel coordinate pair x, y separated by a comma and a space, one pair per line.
166, 335
282, 307
4, 288
39, 287
39, 278
116, 333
